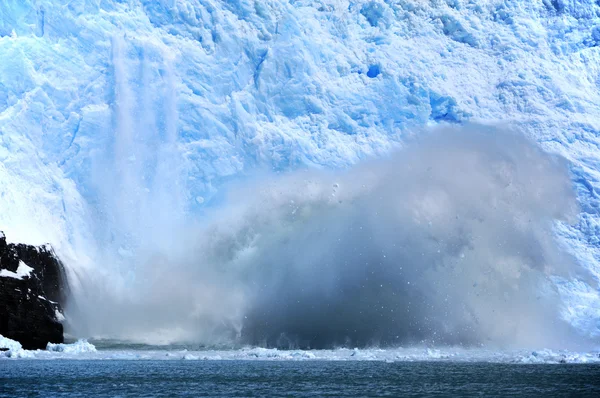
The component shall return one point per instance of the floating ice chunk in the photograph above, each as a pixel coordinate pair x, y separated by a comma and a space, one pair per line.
273, 353
550, 356
23, 270
20, 354
436, 354
80, 346
5, 342
261, 353
15, 349
302, 355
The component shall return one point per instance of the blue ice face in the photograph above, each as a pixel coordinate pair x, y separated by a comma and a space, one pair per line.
373, 71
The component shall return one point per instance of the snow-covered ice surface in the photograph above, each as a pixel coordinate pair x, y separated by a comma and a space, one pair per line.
237, 86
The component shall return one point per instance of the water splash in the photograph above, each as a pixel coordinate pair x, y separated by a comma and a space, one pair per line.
448, 241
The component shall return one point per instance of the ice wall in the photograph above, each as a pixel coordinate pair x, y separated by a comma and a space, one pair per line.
130, 101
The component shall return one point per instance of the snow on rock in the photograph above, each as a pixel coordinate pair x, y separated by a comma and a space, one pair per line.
23, 271
59, 316
32, 290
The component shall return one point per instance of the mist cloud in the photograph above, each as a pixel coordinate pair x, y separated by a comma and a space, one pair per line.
448, 241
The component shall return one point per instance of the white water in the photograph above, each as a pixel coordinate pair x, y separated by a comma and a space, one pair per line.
83, 350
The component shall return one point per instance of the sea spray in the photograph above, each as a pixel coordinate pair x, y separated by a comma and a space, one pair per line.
448, 241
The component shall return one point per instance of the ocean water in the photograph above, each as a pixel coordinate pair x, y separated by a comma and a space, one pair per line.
98, 378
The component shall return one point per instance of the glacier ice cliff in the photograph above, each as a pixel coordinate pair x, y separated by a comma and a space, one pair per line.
119, 116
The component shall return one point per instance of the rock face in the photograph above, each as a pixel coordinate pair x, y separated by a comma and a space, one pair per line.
32, 290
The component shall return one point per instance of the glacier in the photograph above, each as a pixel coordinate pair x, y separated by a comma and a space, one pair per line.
120, 121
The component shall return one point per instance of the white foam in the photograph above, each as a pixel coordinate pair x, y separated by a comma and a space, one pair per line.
83, 350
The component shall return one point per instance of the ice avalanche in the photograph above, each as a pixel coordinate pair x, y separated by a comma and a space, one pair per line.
309, 173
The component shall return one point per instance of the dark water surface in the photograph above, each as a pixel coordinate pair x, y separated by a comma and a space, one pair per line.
304, 378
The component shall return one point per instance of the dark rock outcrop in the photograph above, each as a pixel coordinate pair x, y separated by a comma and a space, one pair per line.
33, 287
